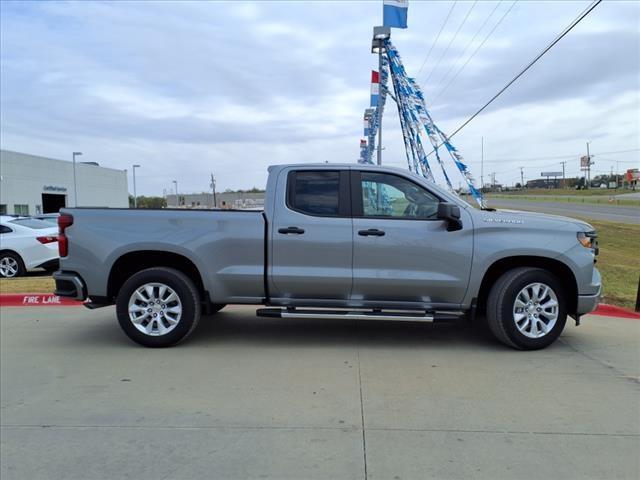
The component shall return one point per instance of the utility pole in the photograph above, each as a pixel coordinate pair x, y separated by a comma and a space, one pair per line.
481, 163
521, 178
213, 188
564, 181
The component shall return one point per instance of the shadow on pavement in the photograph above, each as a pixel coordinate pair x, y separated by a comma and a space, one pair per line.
232, 328
245, 329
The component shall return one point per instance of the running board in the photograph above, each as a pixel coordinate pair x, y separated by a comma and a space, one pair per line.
357, 314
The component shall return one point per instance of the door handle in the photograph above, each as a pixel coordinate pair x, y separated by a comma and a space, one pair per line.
372, 232
294, 230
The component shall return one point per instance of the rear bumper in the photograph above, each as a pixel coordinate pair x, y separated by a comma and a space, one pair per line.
69, 284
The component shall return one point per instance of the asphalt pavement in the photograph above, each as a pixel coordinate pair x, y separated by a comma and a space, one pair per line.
259, 398
612, 213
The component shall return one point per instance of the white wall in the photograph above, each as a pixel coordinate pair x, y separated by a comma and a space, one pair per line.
23, 179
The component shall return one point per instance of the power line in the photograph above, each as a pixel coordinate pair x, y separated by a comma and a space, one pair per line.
455, 35
455, 62
475, 51
586, 12
437, 36
570, 27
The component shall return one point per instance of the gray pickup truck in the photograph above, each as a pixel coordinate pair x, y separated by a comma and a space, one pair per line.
336, 242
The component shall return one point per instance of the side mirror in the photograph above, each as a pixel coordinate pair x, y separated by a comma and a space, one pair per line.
450, 213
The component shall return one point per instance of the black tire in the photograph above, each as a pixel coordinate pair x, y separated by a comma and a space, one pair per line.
185, 290
500, 308
216, 307
21, 270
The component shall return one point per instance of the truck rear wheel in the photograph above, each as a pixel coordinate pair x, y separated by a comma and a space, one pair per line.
526, 308
158, 307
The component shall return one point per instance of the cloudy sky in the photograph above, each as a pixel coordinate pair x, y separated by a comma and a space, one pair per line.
187, 88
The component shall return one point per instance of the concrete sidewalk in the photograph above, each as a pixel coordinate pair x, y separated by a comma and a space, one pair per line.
250, 397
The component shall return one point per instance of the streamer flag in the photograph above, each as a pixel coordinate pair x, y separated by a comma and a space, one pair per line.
394, 13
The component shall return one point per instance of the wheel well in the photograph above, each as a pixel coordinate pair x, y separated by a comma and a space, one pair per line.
559, 269
133, 262
8, 250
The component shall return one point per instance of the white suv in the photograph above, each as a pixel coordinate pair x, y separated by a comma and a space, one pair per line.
27, 244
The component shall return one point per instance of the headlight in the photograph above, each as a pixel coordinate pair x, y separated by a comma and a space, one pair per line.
588, 240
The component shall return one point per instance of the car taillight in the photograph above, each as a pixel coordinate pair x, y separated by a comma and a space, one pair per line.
64, 221
47, 239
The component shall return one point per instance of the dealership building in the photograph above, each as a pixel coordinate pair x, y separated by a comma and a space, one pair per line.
32, 185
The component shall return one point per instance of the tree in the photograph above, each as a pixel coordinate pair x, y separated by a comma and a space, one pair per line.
149, 202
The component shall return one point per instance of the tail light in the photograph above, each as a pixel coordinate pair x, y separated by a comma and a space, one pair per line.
47, 239
64, 221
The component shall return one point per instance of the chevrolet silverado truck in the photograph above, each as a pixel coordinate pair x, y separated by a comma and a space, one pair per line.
334, 241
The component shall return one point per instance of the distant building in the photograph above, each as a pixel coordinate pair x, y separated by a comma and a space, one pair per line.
232, 200
632, 178
31, 185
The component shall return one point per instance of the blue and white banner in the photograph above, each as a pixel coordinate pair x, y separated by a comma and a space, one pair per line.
394, 13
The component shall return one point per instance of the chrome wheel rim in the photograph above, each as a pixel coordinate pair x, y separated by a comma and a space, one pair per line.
8, 267
155, 309
535, 310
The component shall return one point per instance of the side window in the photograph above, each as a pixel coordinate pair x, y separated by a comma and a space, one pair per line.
314, 192
385, 195
5, 229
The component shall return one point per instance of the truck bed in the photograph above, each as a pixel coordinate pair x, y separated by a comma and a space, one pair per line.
227, 246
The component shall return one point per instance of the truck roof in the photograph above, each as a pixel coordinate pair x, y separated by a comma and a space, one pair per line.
333, 166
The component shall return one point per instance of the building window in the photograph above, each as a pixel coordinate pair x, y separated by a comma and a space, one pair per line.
3, 209
21, 209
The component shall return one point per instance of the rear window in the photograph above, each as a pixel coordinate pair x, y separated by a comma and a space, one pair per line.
31, 223
315, 193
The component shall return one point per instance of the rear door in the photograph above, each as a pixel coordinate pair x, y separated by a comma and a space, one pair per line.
402, 252
312, 236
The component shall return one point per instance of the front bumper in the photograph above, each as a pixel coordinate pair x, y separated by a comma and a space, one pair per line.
588, 303
69, 285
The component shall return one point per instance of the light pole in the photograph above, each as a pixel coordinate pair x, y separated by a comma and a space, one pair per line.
175, 182
380, 34
481, 163
135, 195
75, 184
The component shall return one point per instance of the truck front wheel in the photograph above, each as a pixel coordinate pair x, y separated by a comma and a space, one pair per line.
526, 308
158, 307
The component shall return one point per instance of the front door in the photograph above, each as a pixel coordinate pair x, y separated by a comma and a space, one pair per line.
311, 236
402, 252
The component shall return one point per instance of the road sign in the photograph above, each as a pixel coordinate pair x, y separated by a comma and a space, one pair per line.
551, 174
584, 162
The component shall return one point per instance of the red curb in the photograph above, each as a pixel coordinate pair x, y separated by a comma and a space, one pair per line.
36, 300
613, 311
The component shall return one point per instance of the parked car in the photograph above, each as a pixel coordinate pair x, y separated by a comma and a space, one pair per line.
336, 242
51, 218
27, 244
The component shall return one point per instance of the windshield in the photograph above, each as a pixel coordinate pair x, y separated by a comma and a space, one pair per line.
31, 223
